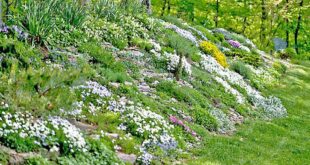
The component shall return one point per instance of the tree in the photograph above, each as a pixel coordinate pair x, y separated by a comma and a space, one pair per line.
287, 25
244, 25
148, 5
1, 22
216, 18
298, 26
263, 22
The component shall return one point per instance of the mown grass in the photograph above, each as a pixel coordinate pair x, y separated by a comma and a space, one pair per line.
280, 141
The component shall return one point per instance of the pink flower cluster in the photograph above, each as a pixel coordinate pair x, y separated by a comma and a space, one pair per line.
179, 122
233, 43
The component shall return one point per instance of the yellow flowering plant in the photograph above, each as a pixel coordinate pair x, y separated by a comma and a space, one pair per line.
209, 48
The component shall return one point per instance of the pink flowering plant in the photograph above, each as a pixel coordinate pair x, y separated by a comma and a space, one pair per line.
181, 123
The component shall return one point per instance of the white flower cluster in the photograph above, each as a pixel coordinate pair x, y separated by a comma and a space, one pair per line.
94, 97
210, 64
174, 62
262, 74
117, 105
184, 33
225, 125
93, 87
102, 29
146, 121
145, 158
43, 131
151, 126
76, 110
228, 88
156, 45
272, 105
75, 140
133, 27
242, 47
199, 33
25, 126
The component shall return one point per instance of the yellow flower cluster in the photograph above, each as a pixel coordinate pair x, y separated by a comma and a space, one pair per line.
209, 48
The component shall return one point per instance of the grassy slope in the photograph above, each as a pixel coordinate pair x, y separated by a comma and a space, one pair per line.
281, 141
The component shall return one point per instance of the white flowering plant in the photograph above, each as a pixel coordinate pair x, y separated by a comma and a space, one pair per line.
93, 98
54, 133
100, 29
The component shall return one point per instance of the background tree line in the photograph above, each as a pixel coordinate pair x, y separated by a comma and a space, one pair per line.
260, 20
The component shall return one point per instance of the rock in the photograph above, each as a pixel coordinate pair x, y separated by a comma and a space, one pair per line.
112, 135
128, 83
116, 85
17, 158
235, 117
144, 88
126, 157
83, 126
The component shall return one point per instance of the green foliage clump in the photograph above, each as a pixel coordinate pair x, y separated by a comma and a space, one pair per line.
287, 53
203, 117
14, 141
106, 9
41, 18
14, 50
37, 160
185, 94
40, 90
181, 45
98, 154
174, 20
220, 37
251, 58
99, 54
102, 30
208, 34
195, 57
142, 44
279, 67
4, 157
242, 69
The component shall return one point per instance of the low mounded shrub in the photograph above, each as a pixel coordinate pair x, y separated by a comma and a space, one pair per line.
281, 68
240, 68
203, 117
209, 48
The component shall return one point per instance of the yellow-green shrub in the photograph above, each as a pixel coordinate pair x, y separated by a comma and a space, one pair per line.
210, 48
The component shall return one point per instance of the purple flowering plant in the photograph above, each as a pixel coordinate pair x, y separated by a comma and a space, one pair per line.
233, 43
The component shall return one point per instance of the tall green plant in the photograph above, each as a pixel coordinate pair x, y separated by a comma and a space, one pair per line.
105, 9
37, 19
72, 14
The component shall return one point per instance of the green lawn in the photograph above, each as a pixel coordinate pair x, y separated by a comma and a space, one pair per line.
280, 141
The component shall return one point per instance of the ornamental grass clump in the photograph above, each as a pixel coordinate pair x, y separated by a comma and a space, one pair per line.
210, 48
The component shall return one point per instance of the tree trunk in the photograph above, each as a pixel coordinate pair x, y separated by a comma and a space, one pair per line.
178, 70
298, 27
169, 7
244, 18
164, 8
7, 10
217, 13
148, 5
263, 22
1, 22
287, 26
